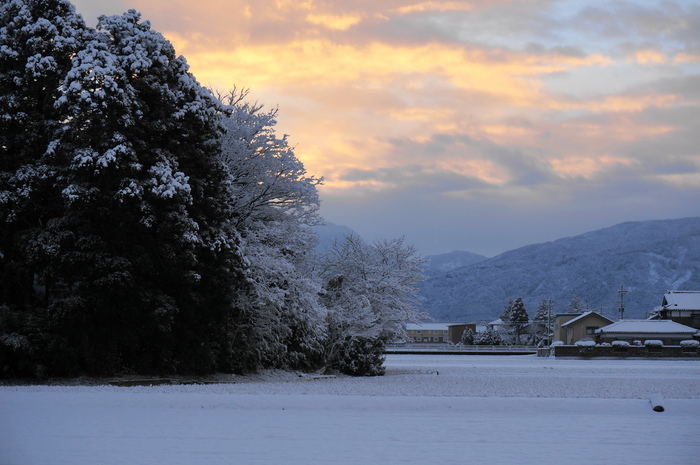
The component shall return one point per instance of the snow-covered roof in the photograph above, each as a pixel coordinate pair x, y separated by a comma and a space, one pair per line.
682, 300
496, 322
430, 326
647, 326
584, 315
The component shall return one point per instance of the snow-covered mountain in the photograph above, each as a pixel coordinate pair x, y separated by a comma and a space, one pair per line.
647, 258
438, 264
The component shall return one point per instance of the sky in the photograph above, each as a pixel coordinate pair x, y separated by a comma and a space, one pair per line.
480, 125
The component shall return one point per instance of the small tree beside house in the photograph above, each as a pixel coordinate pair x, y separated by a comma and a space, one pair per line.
467, 337
515, 318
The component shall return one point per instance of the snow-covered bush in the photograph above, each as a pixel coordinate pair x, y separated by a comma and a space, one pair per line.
636, 342
487, 338
605, 344
360, 356
556, 343
653, 343
620, 344
690, 343
585, 346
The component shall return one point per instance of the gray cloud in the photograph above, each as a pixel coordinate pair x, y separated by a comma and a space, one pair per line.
685, 86
490, 224
522, 168
414, 178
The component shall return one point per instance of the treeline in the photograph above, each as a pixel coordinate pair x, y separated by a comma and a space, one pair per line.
150, 226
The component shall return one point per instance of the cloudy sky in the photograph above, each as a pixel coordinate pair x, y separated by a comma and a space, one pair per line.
480, 125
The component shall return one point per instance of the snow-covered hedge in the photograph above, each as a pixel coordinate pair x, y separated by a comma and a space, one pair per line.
653, 343
690, 343
585, 343
636, 342
620, 344
556, 343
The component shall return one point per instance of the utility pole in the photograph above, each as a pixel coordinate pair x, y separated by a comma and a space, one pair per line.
622, 293
549, 303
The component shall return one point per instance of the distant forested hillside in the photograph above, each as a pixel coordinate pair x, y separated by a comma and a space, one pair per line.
647, 258
436, 265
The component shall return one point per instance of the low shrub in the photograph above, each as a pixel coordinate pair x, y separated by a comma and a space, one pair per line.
620, 344
585, 346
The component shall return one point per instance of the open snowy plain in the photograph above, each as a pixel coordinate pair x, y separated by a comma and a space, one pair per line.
427, 409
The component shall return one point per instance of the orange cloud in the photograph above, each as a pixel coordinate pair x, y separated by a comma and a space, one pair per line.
345, 91
434, 6
648, 57
686, 58
334, 22
586, 165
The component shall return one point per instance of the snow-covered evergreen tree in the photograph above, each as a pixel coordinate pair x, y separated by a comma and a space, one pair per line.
576, 305
542, 322
467, 338
131, 245
515, 318
489, 337
519, 318
38, 39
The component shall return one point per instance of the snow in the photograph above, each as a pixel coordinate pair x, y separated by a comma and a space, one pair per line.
682, 300
647, 326
429, 326
440, 409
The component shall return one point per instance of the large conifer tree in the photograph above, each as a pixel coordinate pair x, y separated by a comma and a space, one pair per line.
126, 243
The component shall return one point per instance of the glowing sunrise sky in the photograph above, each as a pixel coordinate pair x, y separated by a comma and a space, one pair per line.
471, 125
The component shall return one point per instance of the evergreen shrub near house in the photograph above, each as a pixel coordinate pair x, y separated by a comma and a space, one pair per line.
620, 346
689, 346
654, 346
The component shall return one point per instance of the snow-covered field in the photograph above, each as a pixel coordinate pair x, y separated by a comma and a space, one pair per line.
427, 409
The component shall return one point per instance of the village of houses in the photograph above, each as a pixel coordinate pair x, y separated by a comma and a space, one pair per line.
671, 330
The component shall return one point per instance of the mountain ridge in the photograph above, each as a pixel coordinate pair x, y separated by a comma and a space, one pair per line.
646, 257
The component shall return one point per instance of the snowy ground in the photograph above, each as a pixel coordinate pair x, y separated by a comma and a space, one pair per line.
427, 409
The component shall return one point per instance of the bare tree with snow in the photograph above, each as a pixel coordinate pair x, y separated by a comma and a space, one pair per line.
370, 292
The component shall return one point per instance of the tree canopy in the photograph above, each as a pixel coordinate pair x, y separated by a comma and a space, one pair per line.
147, 225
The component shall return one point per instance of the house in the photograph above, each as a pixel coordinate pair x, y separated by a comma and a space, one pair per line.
667, 331
572, 327
437, 333
495, 325
680, 306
